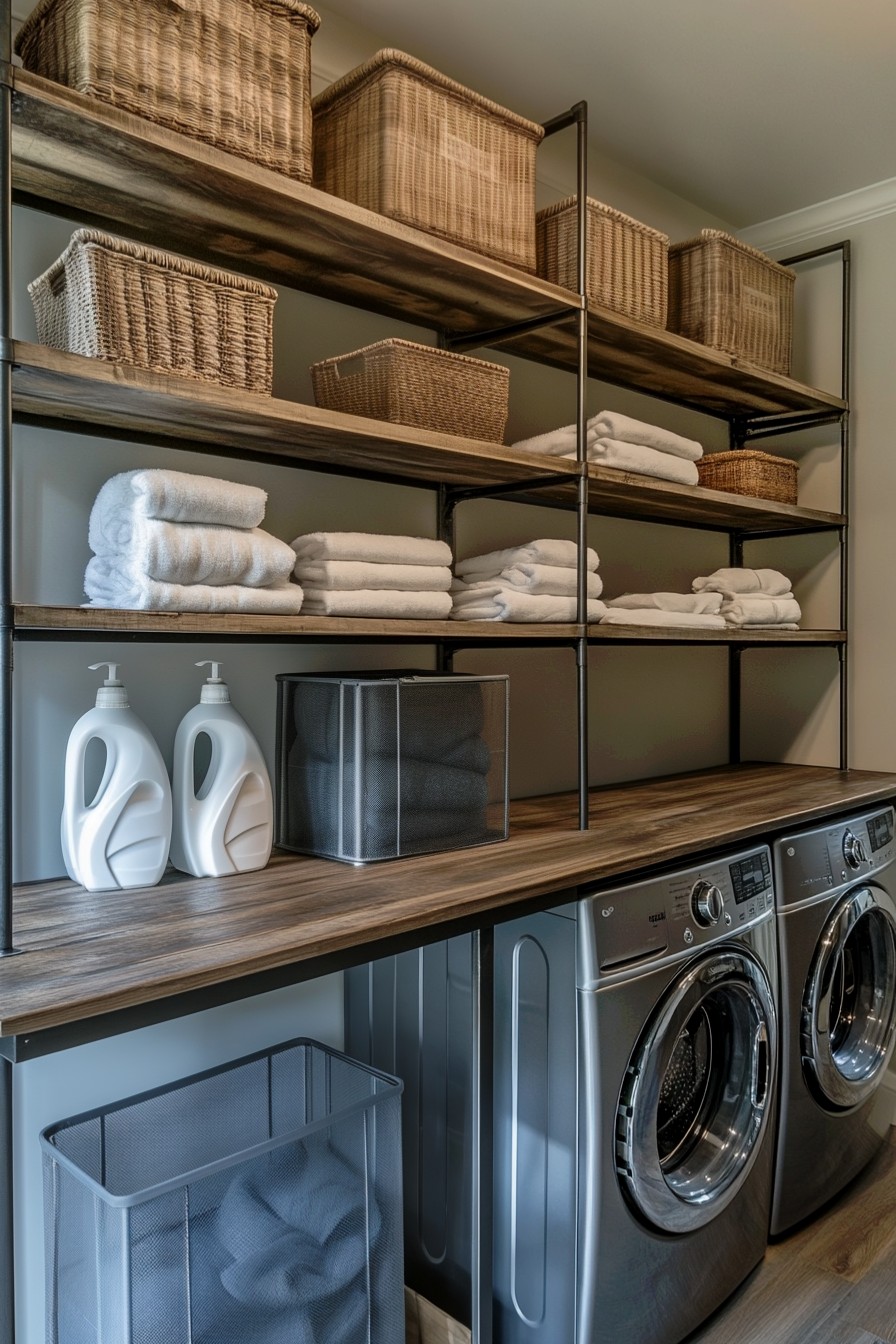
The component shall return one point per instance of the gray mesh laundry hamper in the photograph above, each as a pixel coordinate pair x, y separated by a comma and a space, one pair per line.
255, 1203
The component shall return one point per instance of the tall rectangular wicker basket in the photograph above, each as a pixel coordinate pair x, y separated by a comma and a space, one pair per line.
234, 73
111, 299
399, 138
727, 295
627, 263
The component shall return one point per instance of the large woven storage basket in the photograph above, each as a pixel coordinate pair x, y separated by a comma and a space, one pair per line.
732, 297
419, 385
397, 137
746, 471
111, 299
627, 263
234, 73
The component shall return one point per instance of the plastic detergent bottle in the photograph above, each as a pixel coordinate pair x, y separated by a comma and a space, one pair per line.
121, 838
226, 824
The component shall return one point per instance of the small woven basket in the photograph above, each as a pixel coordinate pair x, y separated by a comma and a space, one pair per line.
732, 297
419, 385
234, 73
627, 263
746, 471
111, 299
397, 137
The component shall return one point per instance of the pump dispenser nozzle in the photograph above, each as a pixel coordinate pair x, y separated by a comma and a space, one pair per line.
215, 691
112, 694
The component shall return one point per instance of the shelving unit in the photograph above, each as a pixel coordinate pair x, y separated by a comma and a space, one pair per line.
97, 165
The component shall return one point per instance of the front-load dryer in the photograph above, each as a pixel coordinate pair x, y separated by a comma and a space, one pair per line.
836, 921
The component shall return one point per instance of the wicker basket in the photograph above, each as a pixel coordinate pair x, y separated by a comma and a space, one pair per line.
234, 73
110, 299
731, 297
410, 384
627, 263
398, 137
745, 471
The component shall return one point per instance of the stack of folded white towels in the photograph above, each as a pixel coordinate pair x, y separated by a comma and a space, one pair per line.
616, 440
172, 541
535, 581
760, 599
372, 574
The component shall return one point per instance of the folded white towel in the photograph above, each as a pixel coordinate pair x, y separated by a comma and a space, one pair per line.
756, 610
556, 442
371, 546
650, 616
641, 461
544, 551
191, 553
768, 582
174, 497
553, 580
698, 603
613, 425
506, 604
278, 600
378, 602
349, 575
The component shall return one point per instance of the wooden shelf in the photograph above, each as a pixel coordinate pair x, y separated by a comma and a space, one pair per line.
109, 168
65, 390
88, 954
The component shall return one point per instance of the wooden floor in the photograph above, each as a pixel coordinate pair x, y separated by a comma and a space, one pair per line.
831, 1282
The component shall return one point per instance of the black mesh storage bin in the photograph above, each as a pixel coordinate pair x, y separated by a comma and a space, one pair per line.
257, 1202
376, 765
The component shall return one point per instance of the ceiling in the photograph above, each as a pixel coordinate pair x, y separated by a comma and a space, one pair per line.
748, 108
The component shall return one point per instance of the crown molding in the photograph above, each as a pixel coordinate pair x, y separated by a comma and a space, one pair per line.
855, 207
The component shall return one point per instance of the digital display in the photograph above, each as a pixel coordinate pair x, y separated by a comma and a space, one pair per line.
880, 830
750, 876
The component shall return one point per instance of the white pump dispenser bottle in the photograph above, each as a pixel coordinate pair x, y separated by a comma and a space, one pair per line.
226, 825
121, 837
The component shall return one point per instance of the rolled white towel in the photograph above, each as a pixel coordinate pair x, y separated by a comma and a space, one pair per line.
377, 547
379, 602
651, 616
697, 603
506, 604
193, 553
174, 497
613, 425
767, 582
748, 609
283, 599
641, 461
544, 551
350, 575
550, 580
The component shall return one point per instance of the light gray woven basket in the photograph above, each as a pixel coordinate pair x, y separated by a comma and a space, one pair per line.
112, 299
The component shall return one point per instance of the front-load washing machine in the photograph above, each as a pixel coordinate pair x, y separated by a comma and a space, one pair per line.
634, 1078
835, 889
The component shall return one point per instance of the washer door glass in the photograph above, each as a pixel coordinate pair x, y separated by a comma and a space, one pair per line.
849, 1008
697, 1093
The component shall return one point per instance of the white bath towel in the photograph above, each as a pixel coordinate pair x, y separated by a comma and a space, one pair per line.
552, 580
613, 425
278, 600
506, 604
651, 616
544, 551
193, 553
696, 603
174, 497
556, 442
349, 575
757, 610
641, 461
767, 582
377, 602
371, 546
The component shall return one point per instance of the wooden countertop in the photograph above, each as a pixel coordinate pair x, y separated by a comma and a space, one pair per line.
86, 954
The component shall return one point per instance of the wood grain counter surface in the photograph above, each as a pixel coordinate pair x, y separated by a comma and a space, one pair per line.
87, 954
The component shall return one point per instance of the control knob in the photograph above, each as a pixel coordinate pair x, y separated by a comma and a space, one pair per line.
707, 903
853, 850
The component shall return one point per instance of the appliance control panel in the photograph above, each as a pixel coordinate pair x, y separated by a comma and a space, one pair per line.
821, 861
